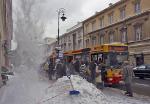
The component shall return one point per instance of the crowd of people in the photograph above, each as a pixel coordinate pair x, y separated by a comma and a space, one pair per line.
93, 71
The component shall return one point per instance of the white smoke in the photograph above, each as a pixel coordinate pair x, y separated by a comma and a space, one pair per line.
28, 30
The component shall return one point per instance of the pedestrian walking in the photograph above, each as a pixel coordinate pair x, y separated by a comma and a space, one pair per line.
72, 67
82, 70
59, 70
98, 76
77, 65
92, 68
102, 69
50, 70
64, 68
127, 77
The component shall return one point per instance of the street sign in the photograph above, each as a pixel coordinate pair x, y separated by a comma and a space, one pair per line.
61, 54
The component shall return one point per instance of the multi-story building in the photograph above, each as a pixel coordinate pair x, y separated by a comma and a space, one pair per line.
52, 47
6, 30
64, 42
73, 38
47, 44
127, 21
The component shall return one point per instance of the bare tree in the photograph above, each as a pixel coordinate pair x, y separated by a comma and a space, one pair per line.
29, 30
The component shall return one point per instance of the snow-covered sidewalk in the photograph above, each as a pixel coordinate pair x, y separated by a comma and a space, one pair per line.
118, 96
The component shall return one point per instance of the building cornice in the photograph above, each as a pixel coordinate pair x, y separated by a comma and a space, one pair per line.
139, 43
122, 21
104, 10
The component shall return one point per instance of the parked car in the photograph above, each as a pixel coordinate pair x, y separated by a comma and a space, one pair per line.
142, 71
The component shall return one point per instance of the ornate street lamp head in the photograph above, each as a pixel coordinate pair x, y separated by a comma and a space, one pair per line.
63, 17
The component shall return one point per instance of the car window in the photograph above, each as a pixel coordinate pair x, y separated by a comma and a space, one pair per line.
148, 67
142, 67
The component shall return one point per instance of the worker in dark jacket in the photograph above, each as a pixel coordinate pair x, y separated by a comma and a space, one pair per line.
77, 66
127, 77
50, 70
59, 70
92, 68
103, 71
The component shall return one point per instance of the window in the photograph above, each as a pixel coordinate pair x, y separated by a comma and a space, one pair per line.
101, 39
86, 28
138, 32
93, 25
87, 42
93, 40
69, 45
123, 36
111, 37
64, 46
69, 38
79, 44
137, 7
102, 22
122, 13
79, 33
110, 18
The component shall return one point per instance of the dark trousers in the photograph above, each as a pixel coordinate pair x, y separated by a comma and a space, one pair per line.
128, 87
50, 73
93, 76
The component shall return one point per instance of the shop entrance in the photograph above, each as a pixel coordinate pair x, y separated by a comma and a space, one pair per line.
139, 59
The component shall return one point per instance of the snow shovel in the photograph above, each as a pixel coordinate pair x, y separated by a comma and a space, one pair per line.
73, 91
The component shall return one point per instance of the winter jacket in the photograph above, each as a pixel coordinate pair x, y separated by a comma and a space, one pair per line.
92, 68
128, 73
59, 70
103, 71
77, 66
71, 68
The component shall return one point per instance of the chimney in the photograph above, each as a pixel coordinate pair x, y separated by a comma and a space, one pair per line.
110, 4
96, 12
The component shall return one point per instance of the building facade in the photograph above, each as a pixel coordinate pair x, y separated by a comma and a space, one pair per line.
127, 21
52, 47
47, 45
6, 30
73, 38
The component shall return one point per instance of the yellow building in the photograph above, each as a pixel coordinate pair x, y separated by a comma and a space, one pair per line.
127, 21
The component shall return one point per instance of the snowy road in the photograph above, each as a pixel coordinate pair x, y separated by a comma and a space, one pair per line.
25, 87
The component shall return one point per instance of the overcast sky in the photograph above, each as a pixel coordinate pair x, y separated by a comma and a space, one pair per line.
76, 10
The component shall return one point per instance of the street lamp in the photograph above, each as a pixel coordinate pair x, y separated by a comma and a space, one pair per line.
61, 12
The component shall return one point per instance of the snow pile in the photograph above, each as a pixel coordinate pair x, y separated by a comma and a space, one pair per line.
58, 93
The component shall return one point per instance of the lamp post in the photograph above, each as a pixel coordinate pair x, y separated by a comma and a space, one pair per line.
61, 12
